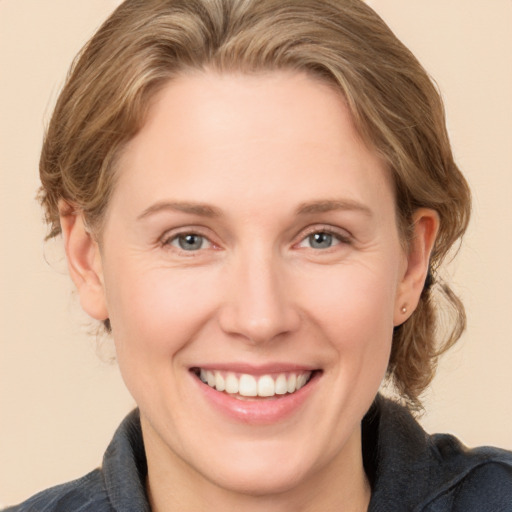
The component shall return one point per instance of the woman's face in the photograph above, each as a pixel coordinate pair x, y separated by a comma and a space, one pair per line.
251, 241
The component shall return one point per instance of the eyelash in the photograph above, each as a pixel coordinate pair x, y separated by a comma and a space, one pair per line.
342, 238
168, 239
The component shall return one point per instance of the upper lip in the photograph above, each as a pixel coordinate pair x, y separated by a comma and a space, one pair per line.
260, 369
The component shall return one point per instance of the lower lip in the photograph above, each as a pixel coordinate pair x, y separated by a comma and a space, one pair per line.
265, 411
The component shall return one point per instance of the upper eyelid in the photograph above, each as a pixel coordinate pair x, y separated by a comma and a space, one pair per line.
325, 228
171, 234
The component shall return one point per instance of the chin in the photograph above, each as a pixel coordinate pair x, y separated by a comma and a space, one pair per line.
259, 478
257, 467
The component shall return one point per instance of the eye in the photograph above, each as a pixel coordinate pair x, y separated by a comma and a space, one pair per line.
322, 239
189, 242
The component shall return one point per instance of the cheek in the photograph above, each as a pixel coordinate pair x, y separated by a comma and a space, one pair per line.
354, 309
155, 311
356, 315
155, 314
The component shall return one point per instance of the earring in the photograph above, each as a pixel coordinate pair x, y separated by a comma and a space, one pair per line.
404, 309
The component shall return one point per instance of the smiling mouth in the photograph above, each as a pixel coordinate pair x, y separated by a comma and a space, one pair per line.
247, 386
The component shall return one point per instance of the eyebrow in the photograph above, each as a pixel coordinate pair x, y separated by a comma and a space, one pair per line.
206, 210
201, 209
331, 205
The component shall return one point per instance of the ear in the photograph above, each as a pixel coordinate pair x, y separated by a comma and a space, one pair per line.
84, 261
426, 225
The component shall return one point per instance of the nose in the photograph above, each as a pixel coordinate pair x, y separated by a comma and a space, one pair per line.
259, 304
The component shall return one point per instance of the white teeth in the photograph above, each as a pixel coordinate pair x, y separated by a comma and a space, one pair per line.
250, 386
292, 383
301, 381
231, 383
281, 385
266, 386
247, 385
220, 383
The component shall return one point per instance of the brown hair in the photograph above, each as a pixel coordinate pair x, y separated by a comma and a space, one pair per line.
395, 106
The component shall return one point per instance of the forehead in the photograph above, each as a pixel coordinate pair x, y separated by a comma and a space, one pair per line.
207, 132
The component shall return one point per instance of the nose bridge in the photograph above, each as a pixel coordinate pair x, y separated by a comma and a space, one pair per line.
259, 306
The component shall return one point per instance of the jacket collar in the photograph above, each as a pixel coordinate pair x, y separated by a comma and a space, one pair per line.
407, 468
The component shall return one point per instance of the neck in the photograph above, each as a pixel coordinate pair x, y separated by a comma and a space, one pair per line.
172, 485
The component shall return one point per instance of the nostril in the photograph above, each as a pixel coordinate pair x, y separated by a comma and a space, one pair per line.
258, 329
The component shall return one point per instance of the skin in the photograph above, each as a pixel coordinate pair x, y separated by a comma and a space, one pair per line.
254, 149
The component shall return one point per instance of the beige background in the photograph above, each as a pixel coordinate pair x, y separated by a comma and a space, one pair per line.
59, 404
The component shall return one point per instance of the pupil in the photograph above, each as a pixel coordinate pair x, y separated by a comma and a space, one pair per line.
321, 240
190, 242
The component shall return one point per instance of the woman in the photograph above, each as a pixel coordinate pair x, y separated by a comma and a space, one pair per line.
255, 197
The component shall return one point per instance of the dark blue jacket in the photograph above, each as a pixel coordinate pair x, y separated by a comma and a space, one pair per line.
408, 470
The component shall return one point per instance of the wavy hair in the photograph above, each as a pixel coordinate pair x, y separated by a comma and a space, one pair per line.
394, 104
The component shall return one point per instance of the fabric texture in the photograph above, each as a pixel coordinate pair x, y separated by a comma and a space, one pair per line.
409, 470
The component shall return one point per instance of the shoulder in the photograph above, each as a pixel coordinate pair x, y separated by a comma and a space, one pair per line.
86, 494
119, 485
415, 471
481, 478
487, 487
